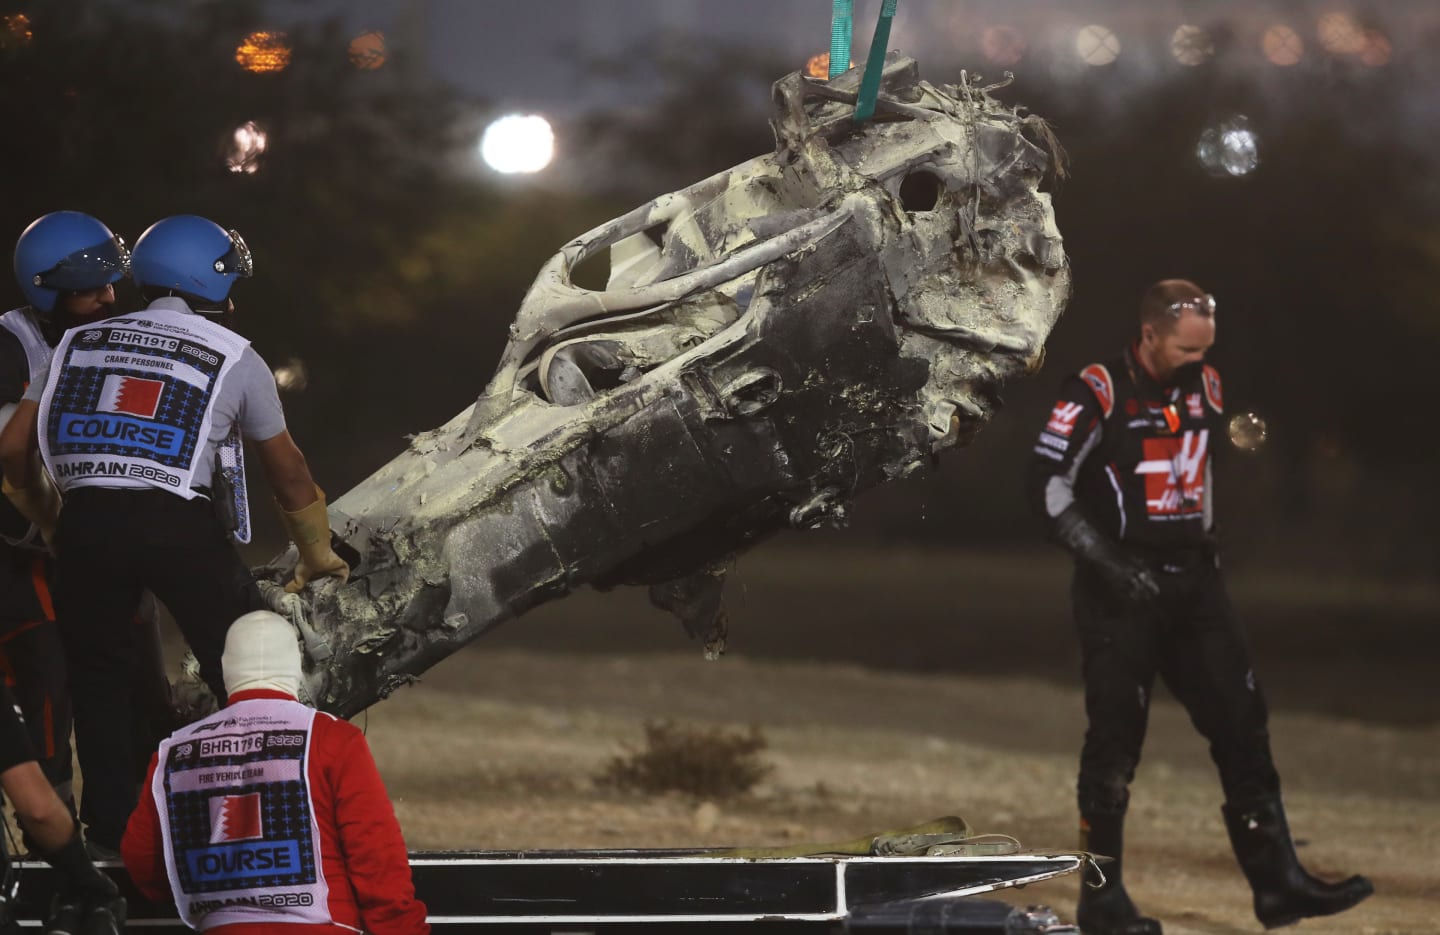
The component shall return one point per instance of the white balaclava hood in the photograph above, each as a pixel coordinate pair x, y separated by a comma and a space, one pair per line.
261, 652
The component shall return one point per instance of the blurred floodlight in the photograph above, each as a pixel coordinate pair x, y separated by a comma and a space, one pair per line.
1339, 34
291, 376
1097, 45
1229, 147
1377, 49
264, 52
1248, 431
1282, 45
1191, 45
15, 30
367, 50
518, 143
247, 145
1002, 45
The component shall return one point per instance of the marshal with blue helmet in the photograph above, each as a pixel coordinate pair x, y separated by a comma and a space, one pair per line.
67, 251
192, 257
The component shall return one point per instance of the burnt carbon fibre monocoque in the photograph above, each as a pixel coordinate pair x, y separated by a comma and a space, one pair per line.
773, 340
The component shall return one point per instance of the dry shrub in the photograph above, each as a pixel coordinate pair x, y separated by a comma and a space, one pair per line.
710, 762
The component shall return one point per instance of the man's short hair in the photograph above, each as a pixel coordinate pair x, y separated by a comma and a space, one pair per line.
1157, 308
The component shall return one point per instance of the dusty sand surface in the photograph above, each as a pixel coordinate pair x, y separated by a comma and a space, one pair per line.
906, 685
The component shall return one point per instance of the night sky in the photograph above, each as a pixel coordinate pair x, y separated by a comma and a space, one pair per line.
524, 54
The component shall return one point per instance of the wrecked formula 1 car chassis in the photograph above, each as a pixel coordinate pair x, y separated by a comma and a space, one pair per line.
773, 341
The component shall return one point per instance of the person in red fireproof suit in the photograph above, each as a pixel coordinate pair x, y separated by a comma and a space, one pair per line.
260, 796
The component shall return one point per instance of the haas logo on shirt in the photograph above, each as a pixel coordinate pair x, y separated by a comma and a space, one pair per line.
1062, 418
1174, 470
131, 396
235, 818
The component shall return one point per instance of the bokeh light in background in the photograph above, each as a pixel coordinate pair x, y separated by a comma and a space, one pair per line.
367, 50
1229, 148
291, 376
264, 52
1376, 51
1097, 45
1339, 34
1282, 46
1191, 45
518, 143
15, 30
1002, 45
247, 144
1248, 431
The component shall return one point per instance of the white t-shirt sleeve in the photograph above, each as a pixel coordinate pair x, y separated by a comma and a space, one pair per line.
260, 415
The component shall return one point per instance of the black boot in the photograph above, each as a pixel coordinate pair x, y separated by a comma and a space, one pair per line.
1107, 909
1284, 892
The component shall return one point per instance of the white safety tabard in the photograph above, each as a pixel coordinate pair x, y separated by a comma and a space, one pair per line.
22, 324
241, 841
130, 400
37, 352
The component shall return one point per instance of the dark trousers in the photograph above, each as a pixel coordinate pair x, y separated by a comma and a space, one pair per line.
33, 662
112, 545
1189, 636
34, 668
154, 711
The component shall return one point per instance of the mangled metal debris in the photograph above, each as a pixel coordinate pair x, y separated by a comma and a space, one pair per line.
772, 341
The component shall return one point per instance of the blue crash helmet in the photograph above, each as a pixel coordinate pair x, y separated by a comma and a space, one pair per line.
191, 255
67, 251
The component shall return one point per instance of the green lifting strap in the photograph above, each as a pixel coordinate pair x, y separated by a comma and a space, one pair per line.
875, 63
841, 20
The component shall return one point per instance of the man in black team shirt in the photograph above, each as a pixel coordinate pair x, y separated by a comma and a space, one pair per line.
1122, 474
